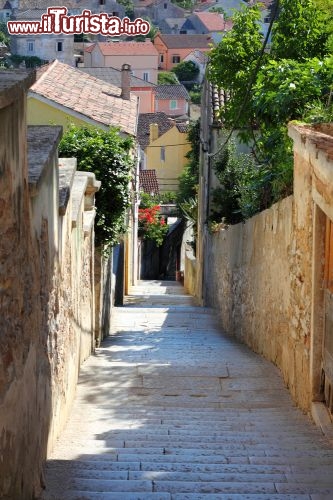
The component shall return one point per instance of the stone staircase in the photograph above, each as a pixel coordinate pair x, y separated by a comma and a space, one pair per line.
170, 408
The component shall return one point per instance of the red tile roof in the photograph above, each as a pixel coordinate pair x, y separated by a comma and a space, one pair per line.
126, 48
148, 181
213, 21
87, 96
90, 48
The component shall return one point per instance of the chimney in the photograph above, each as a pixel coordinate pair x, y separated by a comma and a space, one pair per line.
126, 81
153, 132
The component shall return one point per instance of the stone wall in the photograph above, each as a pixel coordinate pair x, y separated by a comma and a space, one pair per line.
266, 277
25, 396
46, 288
190, 273
253, 277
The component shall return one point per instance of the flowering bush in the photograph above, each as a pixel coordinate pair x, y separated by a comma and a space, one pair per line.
151, 225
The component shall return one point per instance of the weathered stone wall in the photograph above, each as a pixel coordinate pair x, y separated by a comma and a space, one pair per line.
46, 289
258, 275
25, 396
190, 273
267, 277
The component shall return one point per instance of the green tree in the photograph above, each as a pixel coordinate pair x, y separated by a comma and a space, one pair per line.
266, 90
326, 8
189, 178
300, 31
232, 63
166, 78
219, 10
107, 155
4, 36
186, 71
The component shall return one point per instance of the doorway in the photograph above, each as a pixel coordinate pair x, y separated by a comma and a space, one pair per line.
327, 352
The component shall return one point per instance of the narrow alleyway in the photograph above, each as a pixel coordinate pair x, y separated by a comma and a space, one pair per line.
170, 408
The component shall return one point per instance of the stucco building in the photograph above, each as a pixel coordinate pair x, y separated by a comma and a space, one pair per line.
164, 145
141, 56
64, 95
46, 47
172, 49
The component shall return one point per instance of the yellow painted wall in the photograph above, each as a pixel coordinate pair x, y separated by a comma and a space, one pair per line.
40, 113
168, 171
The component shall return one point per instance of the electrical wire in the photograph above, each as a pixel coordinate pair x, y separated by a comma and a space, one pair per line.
167, 145
250, 82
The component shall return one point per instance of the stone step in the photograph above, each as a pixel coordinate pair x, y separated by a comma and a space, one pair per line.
171, 408
108, 465
98, 495
100, 485
215, 437
240, 488
175, 476
243, 496
207, 477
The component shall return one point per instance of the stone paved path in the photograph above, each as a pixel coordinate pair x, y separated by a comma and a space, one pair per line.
170, 408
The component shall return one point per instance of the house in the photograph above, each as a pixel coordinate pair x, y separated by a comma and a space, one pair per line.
158, 10
171, 25
200, 59
64, 95
112, 7
172, 49
207, 22
164, 145
6, 9
143, 90
142, 56
46, 46
173, 100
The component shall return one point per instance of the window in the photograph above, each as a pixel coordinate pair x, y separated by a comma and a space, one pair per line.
175, 59
165, 5
115, 13
161, 58
173, 104
59, 46
31, 46
146, 77
162, 153
101, 2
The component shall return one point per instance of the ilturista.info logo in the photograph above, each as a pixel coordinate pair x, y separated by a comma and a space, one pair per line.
57, 21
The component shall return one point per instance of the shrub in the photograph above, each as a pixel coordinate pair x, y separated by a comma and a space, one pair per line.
151, 225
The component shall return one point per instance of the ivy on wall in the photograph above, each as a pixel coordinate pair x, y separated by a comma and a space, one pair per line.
108, 156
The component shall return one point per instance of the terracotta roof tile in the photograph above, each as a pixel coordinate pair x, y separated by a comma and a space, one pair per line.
148, 181
186, 41
127, 48
213, 21
84, 94
90, 48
